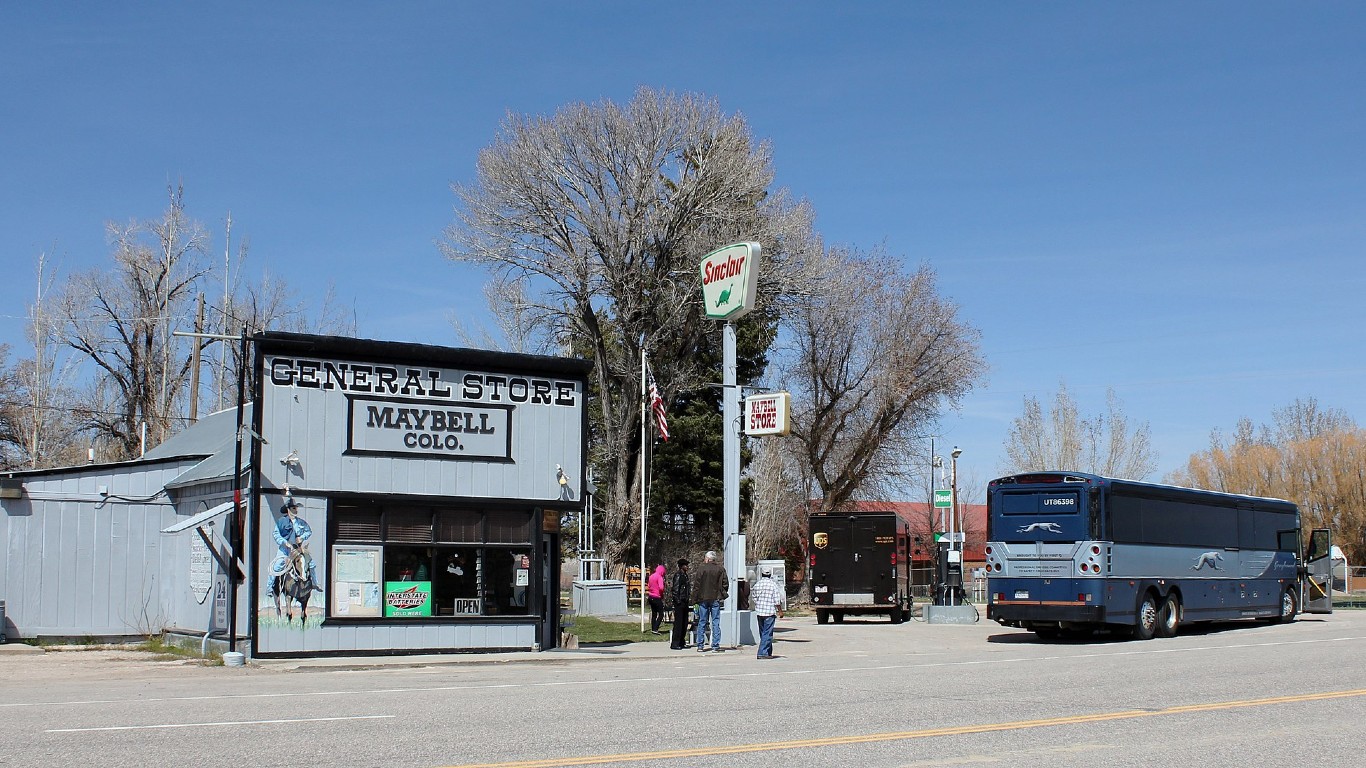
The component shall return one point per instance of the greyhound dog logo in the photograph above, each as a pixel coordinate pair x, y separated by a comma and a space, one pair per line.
820, 540
1045, 527
1208, 558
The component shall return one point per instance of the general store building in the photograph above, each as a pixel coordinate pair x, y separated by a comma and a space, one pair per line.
426, 483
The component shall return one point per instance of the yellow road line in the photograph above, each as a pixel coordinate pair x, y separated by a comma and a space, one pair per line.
834, 741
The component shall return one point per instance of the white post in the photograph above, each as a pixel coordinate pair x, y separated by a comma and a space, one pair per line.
644, 433
730, 456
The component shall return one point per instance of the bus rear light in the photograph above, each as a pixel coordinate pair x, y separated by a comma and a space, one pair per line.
998, 566
1095, 549
988, 549
1083, 597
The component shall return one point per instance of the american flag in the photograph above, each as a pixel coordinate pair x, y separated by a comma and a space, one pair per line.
657, 405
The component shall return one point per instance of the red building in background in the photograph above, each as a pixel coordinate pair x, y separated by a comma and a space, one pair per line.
925, 521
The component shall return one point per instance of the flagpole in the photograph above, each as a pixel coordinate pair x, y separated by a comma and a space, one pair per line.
644, 403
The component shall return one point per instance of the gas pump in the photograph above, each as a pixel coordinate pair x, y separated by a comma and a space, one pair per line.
948, 574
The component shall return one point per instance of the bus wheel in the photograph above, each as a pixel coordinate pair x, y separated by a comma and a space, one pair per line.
1047, 633
1169, 616
1289, 606
1146, 625
822, 616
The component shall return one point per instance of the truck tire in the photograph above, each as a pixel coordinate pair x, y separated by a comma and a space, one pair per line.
1169, 616
896, 616
1290, 605
822, 616
839, 617
1145, 623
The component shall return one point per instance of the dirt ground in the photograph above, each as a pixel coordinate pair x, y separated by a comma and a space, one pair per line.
76, 663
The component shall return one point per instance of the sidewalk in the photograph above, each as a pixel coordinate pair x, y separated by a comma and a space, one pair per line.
586, 652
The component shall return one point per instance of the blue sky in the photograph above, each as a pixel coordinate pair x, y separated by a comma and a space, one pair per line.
1165, 198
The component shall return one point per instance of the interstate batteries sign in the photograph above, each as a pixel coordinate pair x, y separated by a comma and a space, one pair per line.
730, 280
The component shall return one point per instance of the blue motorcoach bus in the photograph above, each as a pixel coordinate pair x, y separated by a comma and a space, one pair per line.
1069, 553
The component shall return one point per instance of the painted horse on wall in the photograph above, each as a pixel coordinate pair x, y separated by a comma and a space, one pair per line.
294, 585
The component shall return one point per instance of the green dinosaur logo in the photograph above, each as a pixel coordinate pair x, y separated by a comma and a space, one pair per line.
724, 298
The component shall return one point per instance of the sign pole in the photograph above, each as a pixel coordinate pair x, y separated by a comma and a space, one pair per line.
730, 278
730, 461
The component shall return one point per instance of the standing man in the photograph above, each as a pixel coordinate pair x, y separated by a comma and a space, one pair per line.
679, 593
710, 588
766, 598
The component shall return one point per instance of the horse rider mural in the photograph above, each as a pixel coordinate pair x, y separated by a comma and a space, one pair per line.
291, 533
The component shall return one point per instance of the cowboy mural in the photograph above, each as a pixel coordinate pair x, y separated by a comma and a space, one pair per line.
288, 569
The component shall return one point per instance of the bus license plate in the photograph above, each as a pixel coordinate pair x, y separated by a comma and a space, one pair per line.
1021, 594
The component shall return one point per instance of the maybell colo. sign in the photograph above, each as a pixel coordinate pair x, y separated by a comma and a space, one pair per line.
730, 279
435, 413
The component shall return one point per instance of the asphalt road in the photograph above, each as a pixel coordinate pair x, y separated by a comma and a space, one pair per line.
863, 694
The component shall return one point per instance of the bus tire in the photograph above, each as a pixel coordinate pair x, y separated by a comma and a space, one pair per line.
1145, 622
822, 616
1290, 605
1169, 616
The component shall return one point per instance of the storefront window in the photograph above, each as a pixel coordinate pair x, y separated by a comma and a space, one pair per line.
446, 562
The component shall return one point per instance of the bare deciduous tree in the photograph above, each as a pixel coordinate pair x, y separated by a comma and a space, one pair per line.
122, 322
778, 492
38, 420
593, 223
1312, 456
879, 355
1065, 439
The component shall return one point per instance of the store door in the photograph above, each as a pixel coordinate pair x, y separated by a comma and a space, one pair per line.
550, 591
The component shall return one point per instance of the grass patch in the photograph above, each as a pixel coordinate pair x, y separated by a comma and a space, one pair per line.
164, 651
592, 629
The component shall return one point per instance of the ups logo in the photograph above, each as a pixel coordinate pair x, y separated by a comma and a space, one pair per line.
820, 540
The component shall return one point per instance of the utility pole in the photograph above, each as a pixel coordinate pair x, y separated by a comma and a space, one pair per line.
194, 361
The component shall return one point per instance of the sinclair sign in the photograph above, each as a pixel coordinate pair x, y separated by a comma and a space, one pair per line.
730, 278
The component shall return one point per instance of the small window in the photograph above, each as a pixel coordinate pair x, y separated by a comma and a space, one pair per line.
510, 527
459, 526
357, 523
410, 526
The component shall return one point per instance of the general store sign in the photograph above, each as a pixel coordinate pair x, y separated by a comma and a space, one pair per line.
768, 414
730, 280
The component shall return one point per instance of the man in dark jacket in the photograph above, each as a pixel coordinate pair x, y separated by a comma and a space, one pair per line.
709, 591
679, 593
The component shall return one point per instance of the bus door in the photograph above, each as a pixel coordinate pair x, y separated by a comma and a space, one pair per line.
1318, 582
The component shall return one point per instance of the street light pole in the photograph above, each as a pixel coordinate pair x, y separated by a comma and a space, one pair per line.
955, 551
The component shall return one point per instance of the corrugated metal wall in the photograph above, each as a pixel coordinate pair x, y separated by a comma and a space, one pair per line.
78, 563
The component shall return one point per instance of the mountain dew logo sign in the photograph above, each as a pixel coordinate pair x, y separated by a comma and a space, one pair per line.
730, 278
